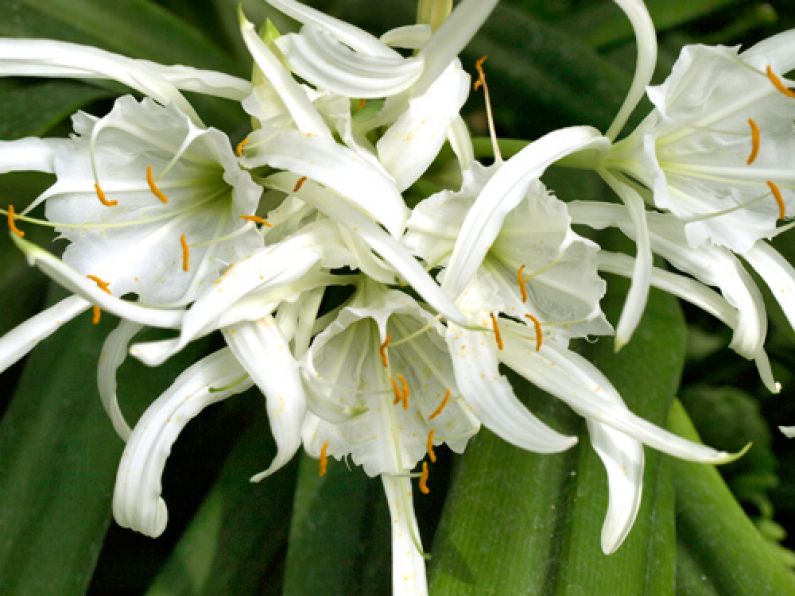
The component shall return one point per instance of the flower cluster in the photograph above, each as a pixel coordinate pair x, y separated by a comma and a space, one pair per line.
170, 226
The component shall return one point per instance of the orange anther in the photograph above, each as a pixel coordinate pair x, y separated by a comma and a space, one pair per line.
481, 82
185, 253
241, 146
520, 281
382, 351
424, 479
440, 408
150, 180
429, 446
299, 183
405, 392
778, 83
782, 208
96, 315
539, 333
362, 103
102, 198
755, 141
257, 219
101, 283
396, 391
497, 334
12, 225
323, 459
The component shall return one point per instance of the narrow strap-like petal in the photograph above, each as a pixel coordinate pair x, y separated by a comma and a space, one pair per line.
30, 154
408, 563
137, 503
777, 273
113, 355
15, 344
263, 351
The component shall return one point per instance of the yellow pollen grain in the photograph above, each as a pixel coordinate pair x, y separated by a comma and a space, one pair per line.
185, 253
102, 198
520, 281
778, 83
424, 479
539, 332
440, 408
299, 183
776, 191
150, 180
481, 82
755, 141
323, 459
396, 391
257, 219
429, 446
497, 333
12, 225
405, 392
382, 351
241, 146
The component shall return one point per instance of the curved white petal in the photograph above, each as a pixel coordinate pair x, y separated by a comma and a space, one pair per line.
49, 58
408, 563
30, 154
112, 356
775, 50
410, 145
491, 397
136, 498
409, 37
503, 192
789, 431
382, 243
15, 344
777, 273
646, 40
461, 142
765, 372
638, 294
306, 117
564, 373
206, 82
87, 289
262, 350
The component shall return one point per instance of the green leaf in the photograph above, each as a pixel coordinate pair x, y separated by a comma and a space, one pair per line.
340, 534
720, 540
520, 523
240, 529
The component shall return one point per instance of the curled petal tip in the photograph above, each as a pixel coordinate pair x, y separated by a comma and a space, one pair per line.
619, 343
731, 457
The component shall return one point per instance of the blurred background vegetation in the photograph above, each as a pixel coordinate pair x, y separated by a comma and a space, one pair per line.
511, 522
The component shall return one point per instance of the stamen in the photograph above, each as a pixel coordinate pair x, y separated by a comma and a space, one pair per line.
440, 408
782, 208
96, 312
539, 332
299, 183
497, 334
424, 479
755, 141
102, 198
778, 83
96, 315
257, 219
396, 391
12, 225
241, 146
429, 446
520, 281
481, 82
323, 459
382, 351
150, 180
406, 392
185, 253
362, 103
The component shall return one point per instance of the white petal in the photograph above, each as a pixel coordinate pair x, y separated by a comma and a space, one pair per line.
777, 273
207, 82
408, 563
87, 289
15, 344
765, 372
263, 352
306, 117
646, 40
503, 192
382, 243
136, 498
775, 50
491, 397
30, 154
410, 145
461, 143
789, 431
409, 37
112, 356
638, 294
